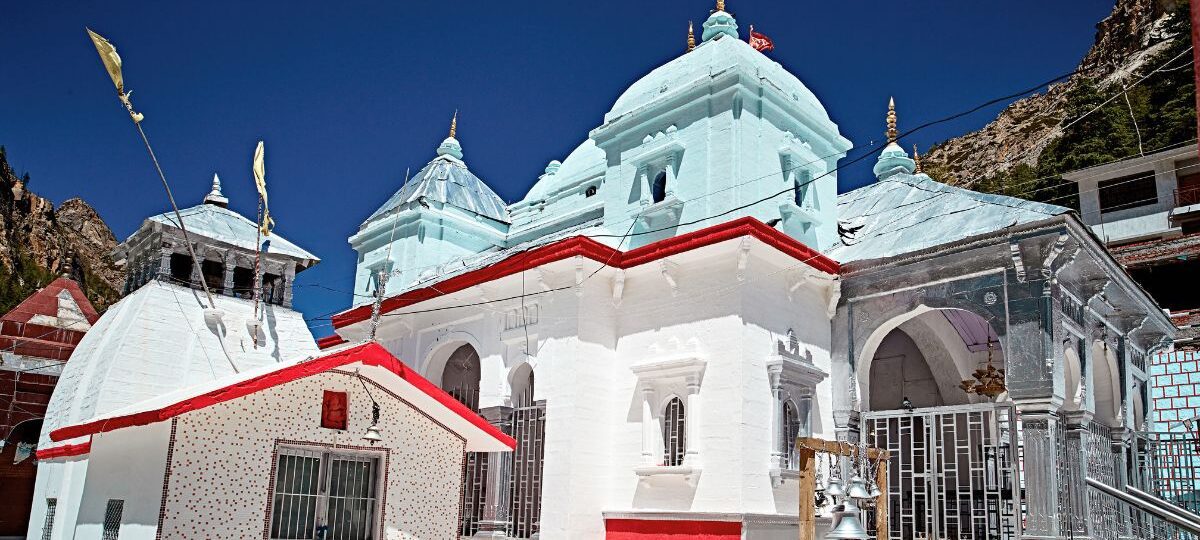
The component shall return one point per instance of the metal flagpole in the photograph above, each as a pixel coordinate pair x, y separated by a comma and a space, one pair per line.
112, 63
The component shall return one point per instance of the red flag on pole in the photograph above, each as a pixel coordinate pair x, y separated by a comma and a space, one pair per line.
760, 42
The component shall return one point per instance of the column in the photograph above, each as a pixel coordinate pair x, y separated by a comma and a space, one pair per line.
289, 275
495, 521
164, 263
197, 275
804, 411
649, 426
227, 283
1121, 439
777, 428
692, 422
1078, 510
669, 168
1040, 427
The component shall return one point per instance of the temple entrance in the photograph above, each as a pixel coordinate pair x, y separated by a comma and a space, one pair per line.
460, 379
953, 471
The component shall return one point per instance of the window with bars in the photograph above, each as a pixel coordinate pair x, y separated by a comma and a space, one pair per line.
674, 433
48, 524
112, 519
324, 495
790, 430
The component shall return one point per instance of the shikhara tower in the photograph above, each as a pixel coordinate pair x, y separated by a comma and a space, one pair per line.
163, 336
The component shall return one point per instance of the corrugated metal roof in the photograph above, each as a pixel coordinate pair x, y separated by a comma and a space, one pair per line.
904, 213
227, 226
447, 180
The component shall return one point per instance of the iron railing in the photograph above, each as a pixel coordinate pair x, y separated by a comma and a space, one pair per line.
1187, 196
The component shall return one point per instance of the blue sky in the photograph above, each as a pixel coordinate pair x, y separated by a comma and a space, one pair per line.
348, 95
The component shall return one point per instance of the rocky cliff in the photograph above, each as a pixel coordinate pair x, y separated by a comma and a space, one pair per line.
39, 242
1010, 153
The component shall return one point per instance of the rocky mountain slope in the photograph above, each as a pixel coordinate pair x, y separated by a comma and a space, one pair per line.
39, 242
1029, 139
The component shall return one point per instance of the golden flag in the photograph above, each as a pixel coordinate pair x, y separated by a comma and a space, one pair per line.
108, 55
260, 182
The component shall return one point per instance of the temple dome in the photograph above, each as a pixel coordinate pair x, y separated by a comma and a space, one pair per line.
583, 157
719, 54
892, 160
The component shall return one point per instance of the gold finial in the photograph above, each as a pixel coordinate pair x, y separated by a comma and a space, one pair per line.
917, 160
454, 124
720, 5
891, 120
691, 37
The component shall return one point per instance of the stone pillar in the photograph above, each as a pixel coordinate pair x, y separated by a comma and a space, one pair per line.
692, 423
289, 275
495, 519
804, 412
197, 274
227, 282
649, 428
1078, 510
777, 431
164, 263
669, 169
1041, 427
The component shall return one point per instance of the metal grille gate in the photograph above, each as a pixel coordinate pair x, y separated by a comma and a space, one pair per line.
528, 428
474, 483
953, 471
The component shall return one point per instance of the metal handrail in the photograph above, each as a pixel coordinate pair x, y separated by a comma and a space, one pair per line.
1146, 502
1187, 196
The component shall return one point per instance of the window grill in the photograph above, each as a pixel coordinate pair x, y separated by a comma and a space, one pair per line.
528, 428
791, 430
324, 495
112, 519
48, 525
674, 433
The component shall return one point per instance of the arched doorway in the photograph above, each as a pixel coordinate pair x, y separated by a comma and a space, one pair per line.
528, 428
952, 472
460, 375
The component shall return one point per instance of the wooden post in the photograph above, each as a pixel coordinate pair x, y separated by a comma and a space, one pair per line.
808, 492
881, 502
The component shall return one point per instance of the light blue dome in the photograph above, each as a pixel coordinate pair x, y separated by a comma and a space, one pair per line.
450, 147
720, 23
892, 160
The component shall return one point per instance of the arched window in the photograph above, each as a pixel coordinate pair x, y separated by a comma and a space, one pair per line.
791, 429
658, 189
460, 377
674, 433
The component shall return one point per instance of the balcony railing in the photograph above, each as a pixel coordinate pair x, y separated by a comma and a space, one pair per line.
1187, 196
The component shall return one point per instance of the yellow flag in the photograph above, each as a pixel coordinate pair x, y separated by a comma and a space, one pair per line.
112, 61
260, 182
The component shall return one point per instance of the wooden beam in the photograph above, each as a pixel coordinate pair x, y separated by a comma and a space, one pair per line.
839, 448
881, 502
808, 492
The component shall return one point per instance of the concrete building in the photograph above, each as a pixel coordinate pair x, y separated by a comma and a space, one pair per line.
36, 338
164, 336
690, 294
279, 451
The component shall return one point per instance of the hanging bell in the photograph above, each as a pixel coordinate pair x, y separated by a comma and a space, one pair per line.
372, 435
875, 493
849, 527
834, 489
858, 488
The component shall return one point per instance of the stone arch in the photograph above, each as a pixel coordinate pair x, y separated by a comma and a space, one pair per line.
521, 379
948, 362
439, 351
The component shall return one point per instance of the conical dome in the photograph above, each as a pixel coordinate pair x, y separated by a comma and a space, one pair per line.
447, 180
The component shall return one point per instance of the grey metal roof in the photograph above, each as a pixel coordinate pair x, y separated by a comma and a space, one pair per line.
903, 213
447, 180
227, 226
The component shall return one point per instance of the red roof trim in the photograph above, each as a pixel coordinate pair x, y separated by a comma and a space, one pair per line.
66, 450
330, 341
582, 245
371, 354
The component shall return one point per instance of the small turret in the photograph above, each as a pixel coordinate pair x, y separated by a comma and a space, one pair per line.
719, 23
893, 159
450, 146
215, 197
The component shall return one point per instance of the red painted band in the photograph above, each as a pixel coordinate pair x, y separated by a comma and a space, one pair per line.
586, 247
669, 529
66, 450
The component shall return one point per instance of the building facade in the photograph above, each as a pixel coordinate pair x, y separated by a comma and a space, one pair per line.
165, 335
689, 294
36, 338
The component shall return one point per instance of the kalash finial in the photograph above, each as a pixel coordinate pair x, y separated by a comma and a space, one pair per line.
691, 38
720, 5
916, 161
454, 124
891, 120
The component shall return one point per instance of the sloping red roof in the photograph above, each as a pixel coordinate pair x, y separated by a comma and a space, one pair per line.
44, 341
586, 247
201, 396
1157, 250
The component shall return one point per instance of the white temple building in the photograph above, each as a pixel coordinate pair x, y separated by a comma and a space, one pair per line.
684, 293
161, 337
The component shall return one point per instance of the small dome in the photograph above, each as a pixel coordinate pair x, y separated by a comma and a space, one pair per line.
450, 147
215, 197
552, 167
718, 24
892, 160
583, 158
